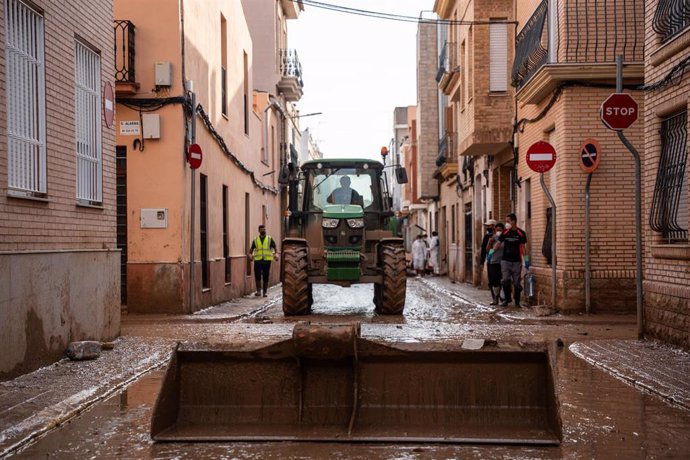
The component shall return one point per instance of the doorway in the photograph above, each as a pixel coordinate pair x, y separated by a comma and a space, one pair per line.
468, 243
121, 211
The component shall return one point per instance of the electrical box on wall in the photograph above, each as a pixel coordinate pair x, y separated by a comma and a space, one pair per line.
152, 125
154, 218
163, 73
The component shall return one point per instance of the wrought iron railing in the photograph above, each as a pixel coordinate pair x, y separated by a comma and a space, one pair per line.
669, 212
290, 65
583, 31
124, 51
446, 152
671, 18
442, 62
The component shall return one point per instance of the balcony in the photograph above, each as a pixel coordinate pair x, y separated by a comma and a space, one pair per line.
448, 72
671, 18
125, 76
447, 160
290, 83
578, 40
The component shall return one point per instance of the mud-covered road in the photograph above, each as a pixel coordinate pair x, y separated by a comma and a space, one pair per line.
602, 417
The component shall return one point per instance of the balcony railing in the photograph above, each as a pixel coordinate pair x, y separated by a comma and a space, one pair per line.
446, 150
290, 84
124, 51
583, 32
290, 65
671, 18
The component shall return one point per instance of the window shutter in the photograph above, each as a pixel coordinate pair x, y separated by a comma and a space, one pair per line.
498, 55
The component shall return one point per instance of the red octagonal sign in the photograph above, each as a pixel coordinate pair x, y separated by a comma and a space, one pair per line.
194, 156
541, 156
619, 111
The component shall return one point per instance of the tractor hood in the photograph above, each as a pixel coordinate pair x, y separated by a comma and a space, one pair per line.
343, 211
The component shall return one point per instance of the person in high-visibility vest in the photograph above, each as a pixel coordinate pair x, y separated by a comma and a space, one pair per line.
262, 252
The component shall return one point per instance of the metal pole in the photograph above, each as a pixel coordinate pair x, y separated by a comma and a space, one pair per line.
553, 239
638, 207
190, 308
588, 268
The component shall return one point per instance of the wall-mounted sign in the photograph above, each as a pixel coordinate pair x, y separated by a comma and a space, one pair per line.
108, 104
130, 128
590, 155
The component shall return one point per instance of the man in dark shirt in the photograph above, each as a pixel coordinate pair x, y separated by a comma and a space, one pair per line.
262, 252
513, 239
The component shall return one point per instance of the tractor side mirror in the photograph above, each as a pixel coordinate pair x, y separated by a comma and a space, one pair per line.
401, 175
284, 176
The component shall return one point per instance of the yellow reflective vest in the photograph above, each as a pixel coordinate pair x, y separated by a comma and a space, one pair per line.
262, 251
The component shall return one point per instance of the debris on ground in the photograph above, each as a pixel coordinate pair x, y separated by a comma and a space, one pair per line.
86, 349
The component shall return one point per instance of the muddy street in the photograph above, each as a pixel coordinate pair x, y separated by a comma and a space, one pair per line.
601, 415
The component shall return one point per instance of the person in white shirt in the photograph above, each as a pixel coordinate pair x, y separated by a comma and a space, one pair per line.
433, 252
419, 253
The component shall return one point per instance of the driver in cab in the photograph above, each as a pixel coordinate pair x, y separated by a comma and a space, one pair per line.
344, 194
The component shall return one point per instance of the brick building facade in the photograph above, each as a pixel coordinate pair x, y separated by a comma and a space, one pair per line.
59, 278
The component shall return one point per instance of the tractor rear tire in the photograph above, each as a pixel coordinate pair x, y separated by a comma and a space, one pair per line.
391, 293
295, 285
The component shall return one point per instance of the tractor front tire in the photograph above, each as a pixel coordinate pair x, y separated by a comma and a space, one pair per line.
296, 289
391, 293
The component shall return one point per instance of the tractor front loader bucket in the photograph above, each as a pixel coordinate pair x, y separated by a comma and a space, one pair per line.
328, 384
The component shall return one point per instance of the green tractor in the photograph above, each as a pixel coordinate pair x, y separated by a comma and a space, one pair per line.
341, 229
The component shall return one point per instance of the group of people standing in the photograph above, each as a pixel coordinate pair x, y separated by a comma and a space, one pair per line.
503, 250
425, 254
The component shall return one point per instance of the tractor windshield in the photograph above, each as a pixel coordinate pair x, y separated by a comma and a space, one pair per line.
341, 186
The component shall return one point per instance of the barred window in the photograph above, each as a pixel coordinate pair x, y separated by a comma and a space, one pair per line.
671, 18
26, 128
87, 107
669, 213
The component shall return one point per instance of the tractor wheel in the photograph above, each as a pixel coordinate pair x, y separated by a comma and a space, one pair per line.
391, 293
295, 286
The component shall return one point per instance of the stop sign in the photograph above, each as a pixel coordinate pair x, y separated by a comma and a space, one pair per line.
194, 156
619, 111
541, 156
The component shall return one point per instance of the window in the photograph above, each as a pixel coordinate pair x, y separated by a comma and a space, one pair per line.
248, 267
246, 94
223, 65
498, 57
671, 18
470, 65
25, 93
669, 213
87, 105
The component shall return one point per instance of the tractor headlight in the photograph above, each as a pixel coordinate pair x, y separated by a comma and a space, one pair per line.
355, 223
330, 223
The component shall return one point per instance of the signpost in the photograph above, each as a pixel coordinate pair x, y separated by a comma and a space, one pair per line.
541, 157
619, 111
194, 156
590, 156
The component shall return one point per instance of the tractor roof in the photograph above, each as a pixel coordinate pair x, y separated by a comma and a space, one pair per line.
342, 163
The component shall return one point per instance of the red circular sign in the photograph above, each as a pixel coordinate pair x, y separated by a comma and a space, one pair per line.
541, 156
194, 156
590, 155
619, 111
108, 104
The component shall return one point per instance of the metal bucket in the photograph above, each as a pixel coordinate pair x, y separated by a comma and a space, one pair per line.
328, 384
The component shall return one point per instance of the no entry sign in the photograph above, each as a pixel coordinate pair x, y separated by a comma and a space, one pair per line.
590, 155
619, 111
541, 156
108, 104
194, 156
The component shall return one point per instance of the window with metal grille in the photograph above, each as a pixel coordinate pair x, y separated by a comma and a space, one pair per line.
87, 109
671, 18
25, 73
669, 213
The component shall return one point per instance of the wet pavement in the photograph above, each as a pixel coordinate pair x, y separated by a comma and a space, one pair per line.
618, 397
